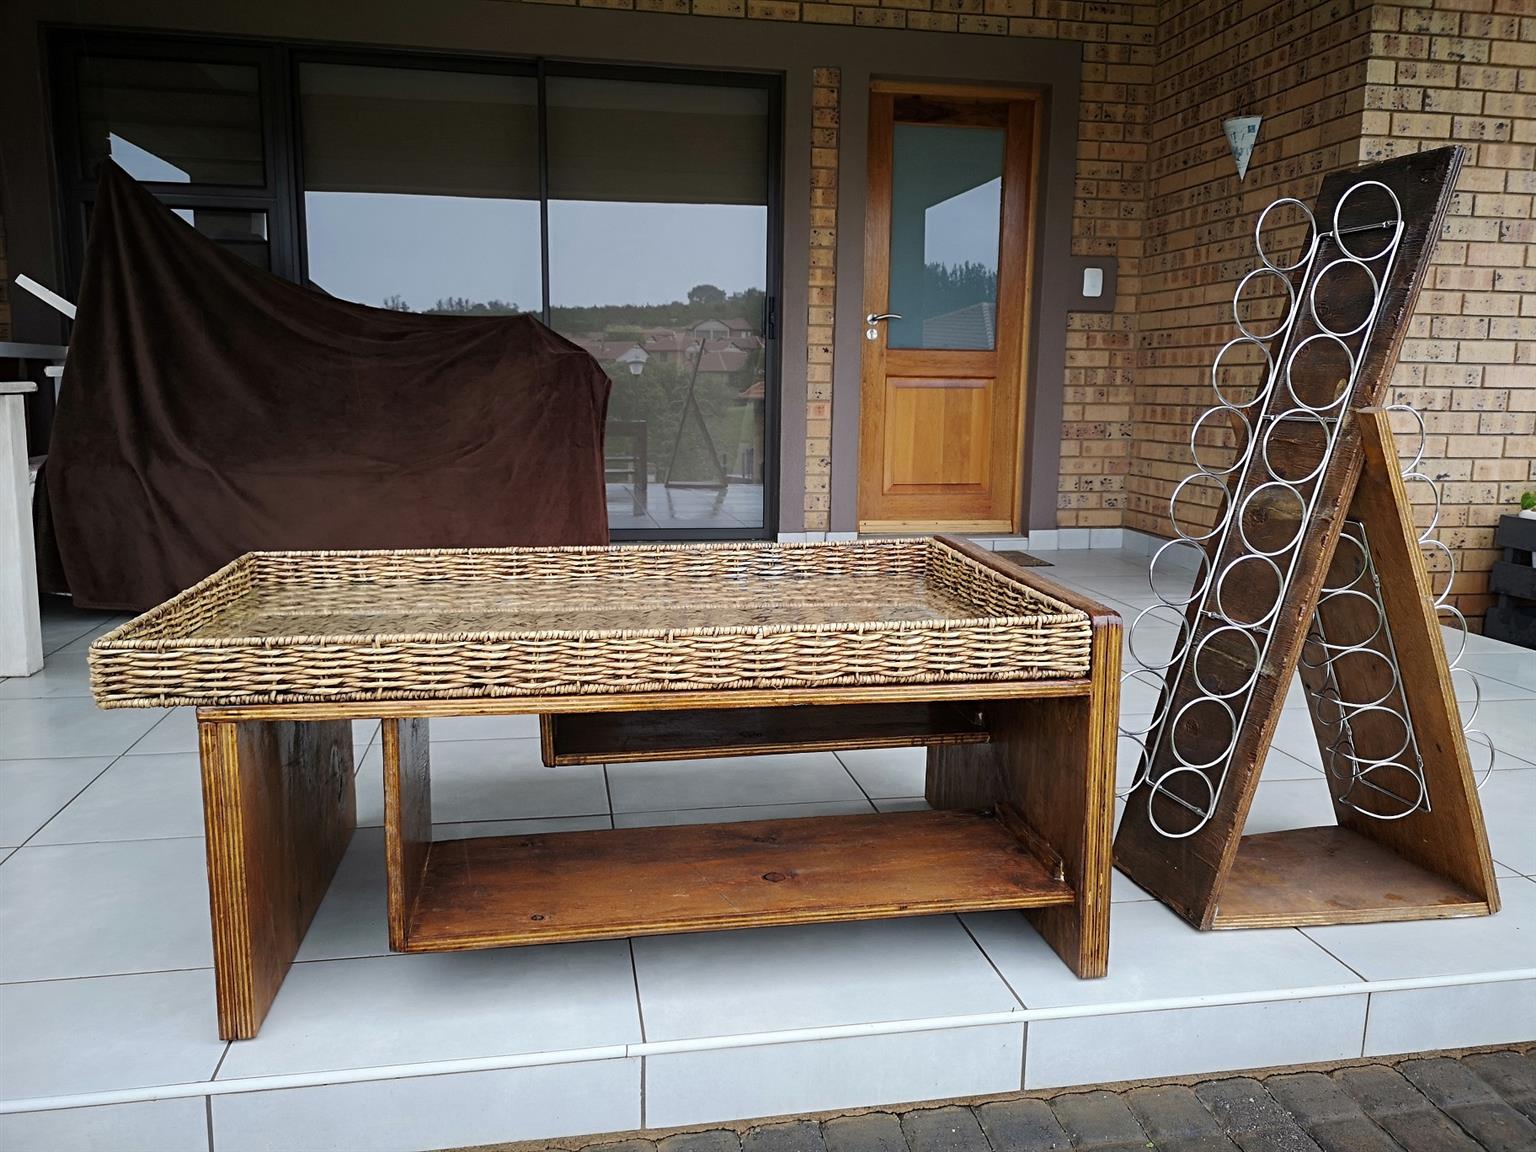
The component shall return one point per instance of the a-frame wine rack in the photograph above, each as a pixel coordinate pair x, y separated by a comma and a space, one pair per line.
1313, 564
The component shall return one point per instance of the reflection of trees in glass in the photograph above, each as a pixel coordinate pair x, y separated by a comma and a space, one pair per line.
949, 287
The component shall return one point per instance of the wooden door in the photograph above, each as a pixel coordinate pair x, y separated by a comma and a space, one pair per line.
947, 257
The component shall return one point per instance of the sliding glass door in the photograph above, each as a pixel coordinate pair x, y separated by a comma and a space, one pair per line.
634, 210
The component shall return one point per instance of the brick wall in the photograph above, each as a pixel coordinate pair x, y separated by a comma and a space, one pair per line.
1301, 65
826, 111
1340, 83
1469, 361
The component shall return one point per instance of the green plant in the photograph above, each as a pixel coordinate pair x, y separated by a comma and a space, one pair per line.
1527, 501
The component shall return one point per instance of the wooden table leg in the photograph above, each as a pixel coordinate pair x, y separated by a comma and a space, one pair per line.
279, 808
1053, 761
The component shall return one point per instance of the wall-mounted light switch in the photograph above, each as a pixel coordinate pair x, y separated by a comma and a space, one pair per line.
1093, 283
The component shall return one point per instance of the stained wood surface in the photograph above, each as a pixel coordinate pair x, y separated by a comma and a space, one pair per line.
1333, 875
665, 701
1188, 873
1450, 839
941, 430
407, 819
604, 737
493, 891
279, 809
1052, 762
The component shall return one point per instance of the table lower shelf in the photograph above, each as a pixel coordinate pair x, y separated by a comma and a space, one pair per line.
490, 892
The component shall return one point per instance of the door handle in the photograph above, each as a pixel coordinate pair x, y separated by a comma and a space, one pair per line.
873, 333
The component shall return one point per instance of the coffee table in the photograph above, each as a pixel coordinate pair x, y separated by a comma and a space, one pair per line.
636, 654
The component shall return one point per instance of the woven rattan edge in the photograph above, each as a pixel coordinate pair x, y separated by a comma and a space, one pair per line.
121, 639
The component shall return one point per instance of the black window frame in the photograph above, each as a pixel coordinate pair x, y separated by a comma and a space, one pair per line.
282, 196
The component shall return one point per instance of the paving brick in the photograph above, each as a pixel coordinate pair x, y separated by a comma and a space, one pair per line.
1176, 1121
1098, 1122
1330, 1115
1458, 1092
1511, 1075
715, 1140
943, 1130
1253, 1121
1402, 1111
1022, 1126
795, 1136
876, 1132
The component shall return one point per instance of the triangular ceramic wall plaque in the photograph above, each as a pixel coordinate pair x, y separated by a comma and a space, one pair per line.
1241, 132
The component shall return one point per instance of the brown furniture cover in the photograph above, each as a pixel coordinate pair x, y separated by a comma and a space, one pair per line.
210, 408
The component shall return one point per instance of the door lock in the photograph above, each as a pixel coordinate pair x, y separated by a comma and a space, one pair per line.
873, 333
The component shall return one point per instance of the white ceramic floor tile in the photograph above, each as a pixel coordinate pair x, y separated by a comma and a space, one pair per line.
177, 733
1441, 947
805, 976
1516, 668
62, 674
901, 804
33, 791
81, 644
788, 1079
1509, 811
138, 798
485, 728
1295, 737
1124, 890
1512, 725
69, 726
443, 1006
1153, 954
490, 780
1136, 1045
1280, 804
731, 815
1467, 1016
883, 772
161, 1125
69, 1036
63, 624
730, 782
5, 854
351, 919
426, 1112
102, 909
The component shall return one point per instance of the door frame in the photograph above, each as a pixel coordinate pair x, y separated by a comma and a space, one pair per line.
1019, 234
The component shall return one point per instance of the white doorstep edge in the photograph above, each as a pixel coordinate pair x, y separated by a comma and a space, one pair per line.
747, 1040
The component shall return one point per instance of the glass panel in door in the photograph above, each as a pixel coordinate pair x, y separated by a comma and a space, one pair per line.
946, 223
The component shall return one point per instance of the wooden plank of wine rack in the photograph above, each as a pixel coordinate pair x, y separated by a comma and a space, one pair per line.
1190, 873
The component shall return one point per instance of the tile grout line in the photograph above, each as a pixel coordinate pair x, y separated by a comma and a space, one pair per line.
634, 972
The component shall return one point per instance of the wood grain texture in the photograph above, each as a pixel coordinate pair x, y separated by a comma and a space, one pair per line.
1333, 875
279, 808
493, 891
941, 430
1188, 873
1052, 762
604, 737
407, 819
647, 701
1450, 840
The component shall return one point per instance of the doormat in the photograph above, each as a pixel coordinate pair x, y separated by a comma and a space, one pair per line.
1025, 560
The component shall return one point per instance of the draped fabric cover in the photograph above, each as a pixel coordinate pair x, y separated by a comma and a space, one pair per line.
210, 409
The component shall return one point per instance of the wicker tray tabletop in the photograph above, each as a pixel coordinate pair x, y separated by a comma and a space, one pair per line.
302, 627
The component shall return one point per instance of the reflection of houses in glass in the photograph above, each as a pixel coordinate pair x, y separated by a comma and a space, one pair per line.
974, 326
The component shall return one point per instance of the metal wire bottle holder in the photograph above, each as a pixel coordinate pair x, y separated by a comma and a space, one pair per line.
1372, 758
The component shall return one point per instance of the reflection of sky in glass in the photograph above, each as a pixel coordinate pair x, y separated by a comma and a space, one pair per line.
611, 252
142, 164
963, 229
370, 246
